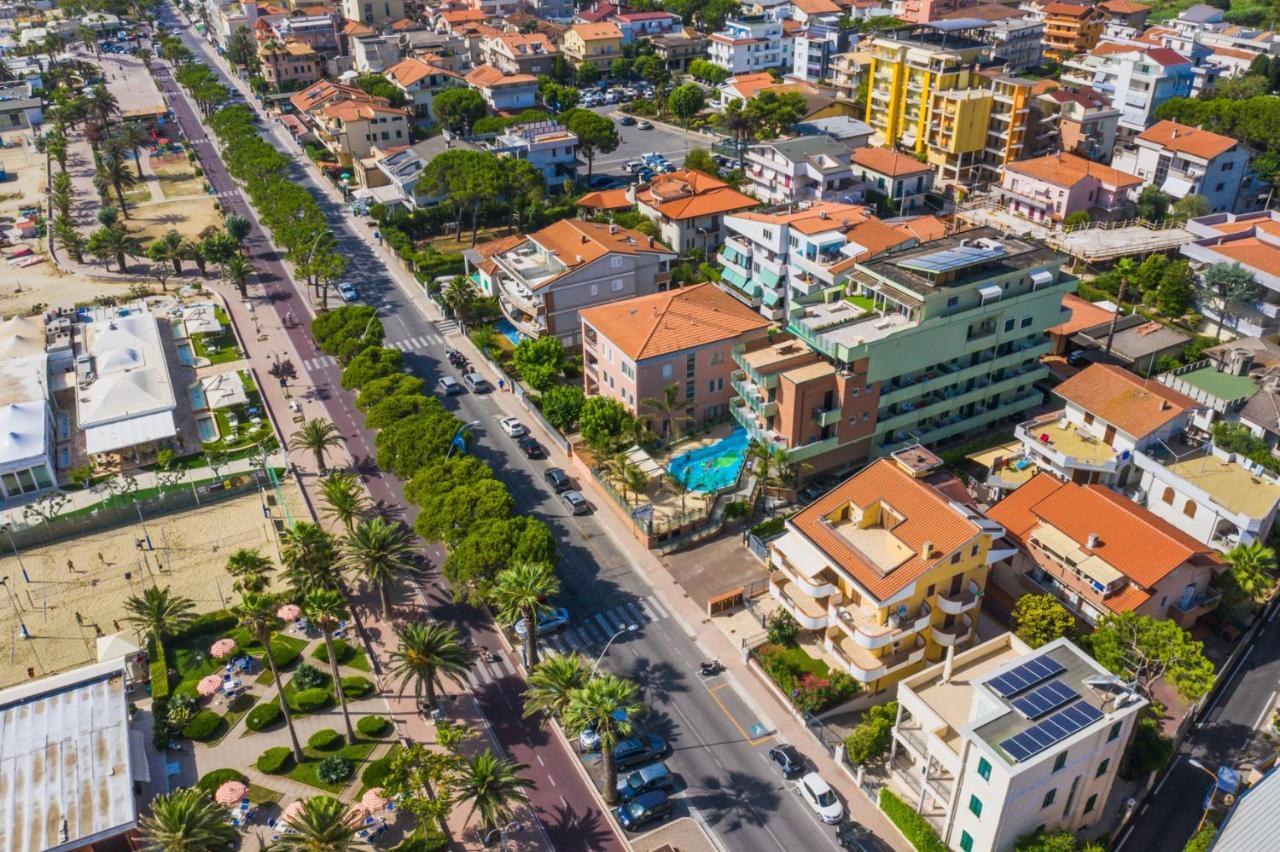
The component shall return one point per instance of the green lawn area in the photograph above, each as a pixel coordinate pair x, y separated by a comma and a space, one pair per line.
864, 302
305, 772
290, 691
385, 760
263, 796
348, 655
217, 348
243, 704
797, 660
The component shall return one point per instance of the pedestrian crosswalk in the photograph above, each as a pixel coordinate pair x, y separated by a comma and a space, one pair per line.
446, 326
409, 344
319, 363
586, 635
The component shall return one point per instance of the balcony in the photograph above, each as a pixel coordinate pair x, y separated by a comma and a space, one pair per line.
739, 245
811, 614
814, 587
519, 295
1205, 602
953, 635
867, 631
960, 603
1065, 445
826, 416
752, 394
863, 666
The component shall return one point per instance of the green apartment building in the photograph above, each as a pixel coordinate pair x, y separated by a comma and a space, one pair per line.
913, 347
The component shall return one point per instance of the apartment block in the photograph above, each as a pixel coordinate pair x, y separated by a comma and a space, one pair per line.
1009, 131
592, 44
887, 570
913, 346
420, 82
1184, 160
806, 168
749, 43
1253, 241
1051, 188
924, 11
891, 177
548, 146
1075, 120
290, 65
504, 92
519, 53
1071, 28
373, 13
1137, 78
1000, 740
689, 207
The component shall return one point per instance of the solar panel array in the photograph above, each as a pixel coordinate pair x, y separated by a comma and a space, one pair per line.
1043, 700
1023, 677
945, 260
1051, 731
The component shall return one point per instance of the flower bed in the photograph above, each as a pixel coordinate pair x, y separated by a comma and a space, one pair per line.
810, 685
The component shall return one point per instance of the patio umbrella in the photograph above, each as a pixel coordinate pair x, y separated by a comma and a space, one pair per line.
230, 793
222, 648
357, 813
293, 811
375, 799
209, 684
289, 612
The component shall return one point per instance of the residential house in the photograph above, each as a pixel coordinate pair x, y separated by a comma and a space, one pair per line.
634, 25
1083, 315
550, 10
520, 53
1074, 120
20, 106
1184, 161
1125, 16
1071, 28
1002, 741
374, 53
547, 145
898, 181
325, 92
924, 11
542, 280
635, 349
1051, 188
887, 570
677, 50
420, 82
350, 129
1137, 78
392, 177
596, 12
504, 92
320, 31
592, 44
1253, 241
815, 48
28, 454
373, 13
805, 168
688, 207
494, 10
290, 65
1016, 41
746, 86
750, 43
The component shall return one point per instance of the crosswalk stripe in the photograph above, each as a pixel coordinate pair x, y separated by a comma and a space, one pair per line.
636, 617
571, 639
659, 611
587, 634
618, 618
604, 624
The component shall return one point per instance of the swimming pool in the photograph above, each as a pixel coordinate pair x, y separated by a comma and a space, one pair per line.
186, 355
208, 428
198, 400
507, 330
712, 468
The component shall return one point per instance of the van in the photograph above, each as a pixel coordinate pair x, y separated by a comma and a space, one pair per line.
655, 776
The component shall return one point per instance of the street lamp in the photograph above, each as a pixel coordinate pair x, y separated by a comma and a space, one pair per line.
624, 629
454, 439
1212, 790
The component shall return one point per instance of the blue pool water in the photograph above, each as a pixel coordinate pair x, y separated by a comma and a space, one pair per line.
186, 355
507, 330
714, 467
198, 401
208, 428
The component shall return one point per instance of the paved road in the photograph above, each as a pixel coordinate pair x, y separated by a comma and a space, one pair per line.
1229, 734
673, 143
720, 757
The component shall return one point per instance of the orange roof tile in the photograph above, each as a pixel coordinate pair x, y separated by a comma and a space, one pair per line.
1123, 399
875, 237
356, 110
325, 91
816, 7
1252, 252
749, 85
650, 326
528, 44
576, 243
923, 228
1067, 10
487, 77
818, 217
1187, 140
1124, 7
888, 162
355, 28
688, 194
1084, 314
406, 72
927, 516
608, 199
596, 32
1068, 170
464, 16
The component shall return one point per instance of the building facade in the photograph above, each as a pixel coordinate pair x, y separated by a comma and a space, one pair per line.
592, 44
1051, 188
749, 43
807, 168
1183, 161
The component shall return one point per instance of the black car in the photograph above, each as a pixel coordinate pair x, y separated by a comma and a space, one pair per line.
644, 809
627, 120
633, 751
558, 479
530, 447
789, 760
859, 838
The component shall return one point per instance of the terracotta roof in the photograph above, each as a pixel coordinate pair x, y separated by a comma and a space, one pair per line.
608, 199
1235, 53
487, 77
1123, 399
984, 12
355, 28
325, 91
357, 110
1124, 7
1068, 170
816, 7
464, 16
600, 12
596, 32
926, 514
635, 17
821, 216
404, 25
888, 162
1187, 140
1130, 538
406, 72
1167, 56
875, 237
749, 85
1251, 252
528, 44
923, 228
1084, 314
1067, 10
651, 326
688, 194
571, 239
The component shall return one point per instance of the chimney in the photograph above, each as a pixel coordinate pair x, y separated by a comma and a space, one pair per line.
926, 550
1092, 541
585, 239
946, 663
1165, 405
613, 229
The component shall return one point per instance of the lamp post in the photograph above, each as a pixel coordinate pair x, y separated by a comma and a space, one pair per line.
453, 440
624, 629
1212, 790
17, 613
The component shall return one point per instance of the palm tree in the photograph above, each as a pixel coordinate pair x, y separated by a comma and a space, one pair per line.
237, 227
318, 436
310, 557
158, 613
521, 592
552, 681
249, 568
326, 608
1253, 568
186, 820
427, 652
71, 240
493, 786
678, 486
594, 706
344, 498
237, 271
324, 825
379, 551
460, 297
671, 410
116, 172
168, 248
1125, 268
256, 613
101, 104
145, 55
114, 243
134, 136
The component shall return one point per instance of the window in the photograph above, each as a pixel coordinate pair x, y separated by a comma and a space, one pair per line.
1189, 508
1008, 324
984, 769
966, 842
1090, 802
595, 290
1026, 322
1102, 768
953, 301
716, 358
1167, 496
1115, 732
689, 389
955, 557
615, 262
715, 385
1060, 761
975, 806
1048, 798
617, 285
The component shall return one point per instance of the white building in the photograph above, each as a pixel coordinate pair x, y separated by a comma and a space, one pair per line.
814, 48
751, 43
1138, 78
807, 168
551, 149
1184, 161
1253, 241
27, 445
1001, 740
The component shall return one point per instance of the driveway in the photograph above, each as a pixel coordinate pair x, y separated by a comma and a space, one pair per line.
634, 142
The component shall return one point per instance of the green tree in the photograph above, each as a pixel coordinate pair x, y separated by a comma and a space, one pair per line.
771, 114
451, 508
603, 422
1252, 571
325, 607
1145, 649
1125, 269
407, 446
1176, 291
552, 683
586, 75
521, 592
1040, 619
397, 384
168, 248
373, 362
114, 243
237, 272
708, 72
115, 171
309, 555
540, 361
686, 101
561, 405
344, 497
489, 546
596, 706
493, 786
670, 410
1153, 204
557, 97
873, 735
249, 569
69, 238
317, 436
256, 613
597, 134
1191, 207
700, 159
1055, 841
186, 820
237, 227
158, 613
379, 552
134, 137
459, 108
1080, 217
428, 652
323, 825
1222, 286
620, 69
242, 50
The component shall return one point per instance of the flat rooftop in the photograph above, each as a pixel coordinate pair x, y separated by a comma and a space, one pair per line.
843, 322
1056, 433
1229, 483
902, 266
952, 700
1221, 385
768, 356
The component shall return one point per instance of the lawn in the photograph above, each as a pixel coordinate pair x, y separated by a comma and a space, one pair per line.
243, 704
385, 760
348, 655
446, 244
263, 796
176, 176
864, 302
800, 662
216, 348
356, 752
290, 691
807, 682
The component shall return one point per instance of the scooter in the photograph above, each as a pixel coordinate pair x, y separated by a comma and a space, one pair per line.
712, 668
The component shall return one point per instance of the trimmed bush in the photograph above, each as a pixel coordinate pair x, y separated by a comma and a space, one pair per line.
422, 841
211, 781
308, 677
203, 727
356, 686
208, 622
263, 716
913, 826
335, 769
283, 654
310, 700
159, 671
275, 761
375, 774
342, 652
325, 740
372, 726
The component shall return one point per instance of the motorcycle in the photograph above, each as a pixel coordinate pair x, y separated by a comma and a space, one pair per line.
709, 669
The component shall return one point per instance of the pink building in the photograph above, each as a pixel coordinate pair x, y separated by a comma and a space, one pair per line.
1053, 187
633, 350
924, 11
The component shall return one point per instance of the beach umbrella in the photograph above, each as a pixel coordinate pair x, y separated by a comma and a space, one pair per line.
293, 811
209, 685
357, 813
230, 793
289, 612
222, 648
375, 799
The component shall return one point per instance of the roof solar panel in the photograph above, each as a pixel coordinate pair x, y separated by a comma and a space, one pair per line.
1021, 678
945, 260
1051, 731
1043, 700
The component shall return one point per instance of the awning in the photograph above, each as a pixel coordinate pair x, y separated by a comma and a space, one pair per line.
770, 279
129, 433
990, 291
733, 256
1040, 278
1178, 187
733, 278
772, 297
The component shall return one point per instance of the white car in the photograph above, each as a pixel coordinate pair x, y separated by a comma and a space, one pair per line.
819, 795
513, 427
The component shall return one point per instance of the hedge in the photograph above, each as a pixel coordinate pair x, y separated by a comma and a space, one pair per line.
275, 761
342, 652
285, 654
263, 716
372, 726
310, 700
203, 727
422, 841
308, 677
356, 686
375, 774
913, 826
211, 781
326, 739
220, 621
159, 671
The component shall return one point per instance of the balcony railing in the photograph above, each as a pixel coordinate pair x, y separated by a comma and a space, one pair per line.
826, 416
865, 629
959, 603
953, 635
810, 614
1205, 602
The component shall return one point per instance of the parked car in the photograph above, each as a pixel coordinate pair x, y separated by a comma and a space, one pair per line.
655, 776
575, 503
636, 750
476, 383
813, 491
513, 427
589, 740
818, 794
347, 292
645, 125
632, 166
448, 386
551, 621
857, 837
644, 809
558, 479
627, 120
789, 760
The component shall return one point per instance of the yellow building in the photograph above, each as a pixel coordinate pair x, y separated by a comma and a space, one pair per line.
887, 571
1007, 133
594, 44
958, 123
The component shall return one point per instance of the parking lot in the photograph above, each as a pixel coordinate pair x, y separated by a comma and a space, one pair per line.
634, 143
